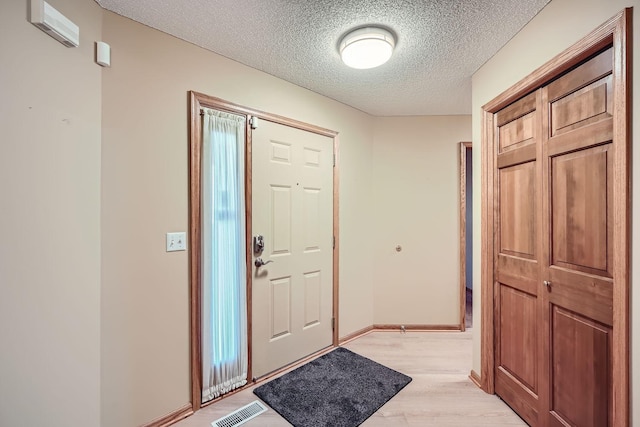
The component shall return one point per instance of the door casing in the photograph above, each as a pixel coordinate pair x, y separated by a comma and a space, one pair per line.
197, 101
464, 197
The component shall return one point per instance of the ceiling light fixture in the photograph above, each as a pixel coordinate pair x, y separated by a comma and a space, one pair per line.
367, 47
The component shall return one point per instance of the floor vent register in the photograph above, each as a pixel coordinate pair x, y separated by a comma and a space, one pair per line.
240, 416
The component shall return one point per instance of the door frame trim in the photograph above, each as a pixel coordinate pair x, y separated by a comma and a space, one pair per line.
464, 146
615, 32
197, 101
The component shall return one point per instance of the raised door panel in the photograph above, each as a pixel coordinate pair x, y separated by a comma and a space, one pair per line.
312, 299
583, 96
311, 203
516, 124
280, 307
581, 371
587, 105
280, 243
518, 333
581, 218
517, 359
517, 210
517, 132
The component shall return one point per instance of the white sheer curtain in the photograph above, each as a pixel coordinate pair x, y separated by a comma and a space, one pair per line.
224, 305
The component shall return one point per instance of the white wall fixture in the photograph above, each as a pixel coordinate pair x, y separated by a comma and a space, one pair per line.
367, 47
176, 241
103, 54
52, 22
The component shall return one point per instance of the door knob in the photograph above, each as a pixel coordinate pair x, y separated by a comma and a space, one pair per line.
547, 284
259, 262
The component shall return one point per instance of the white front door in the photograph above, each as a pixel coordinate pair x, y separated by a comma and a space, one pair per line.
292, 208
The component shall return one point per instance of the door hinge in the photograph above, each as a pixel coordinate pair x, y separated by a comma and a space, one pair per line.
334, 242
333, 323
334, 160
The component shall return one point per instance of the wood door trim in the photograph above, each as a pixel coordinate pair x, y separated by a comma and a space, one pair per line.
171, 418
475, 378
357, 334
622, 215
416, 328
221, 104
572, 56
407, 328
248, 197
197, 101
195, 172
487, 357
463, 233
616, 32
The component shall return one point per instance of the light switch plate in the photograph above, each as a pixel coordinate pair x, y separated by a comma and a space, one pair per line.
176, 241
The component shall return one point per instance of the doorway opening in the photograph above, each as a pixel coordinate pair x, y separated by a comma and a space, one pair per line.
466, 232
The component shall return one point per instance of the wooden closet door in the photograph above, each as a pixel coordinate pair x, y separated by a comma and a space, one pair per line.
578, 229
517, 257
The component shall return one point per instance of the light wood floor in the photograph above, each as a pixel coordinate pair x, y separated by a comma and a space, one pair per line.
440, 394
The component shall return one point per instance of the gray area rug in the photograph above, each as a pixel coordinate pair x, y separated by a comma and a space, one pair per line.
339, 389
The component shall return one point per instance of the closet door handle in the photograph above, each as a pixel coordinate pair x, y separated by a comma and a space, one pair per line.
547, 284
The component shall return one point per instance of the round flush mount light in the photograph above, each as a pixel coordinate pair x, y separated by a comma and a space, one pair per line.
367, 47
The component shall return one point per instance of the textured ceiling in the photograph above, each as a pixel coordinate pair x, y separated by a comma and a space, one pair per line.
440, 43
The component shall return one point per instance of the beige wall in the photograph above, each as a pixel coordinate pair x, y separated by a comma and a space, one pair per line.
50, 101
416, 194
560, 24
145, 350
90, 191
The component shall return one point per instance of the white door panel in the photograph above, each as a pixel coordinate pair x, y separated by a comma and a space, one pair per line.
292, 207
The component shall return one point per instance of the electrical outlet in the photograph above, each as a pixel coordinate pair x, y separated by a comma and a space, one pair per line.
176, 241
